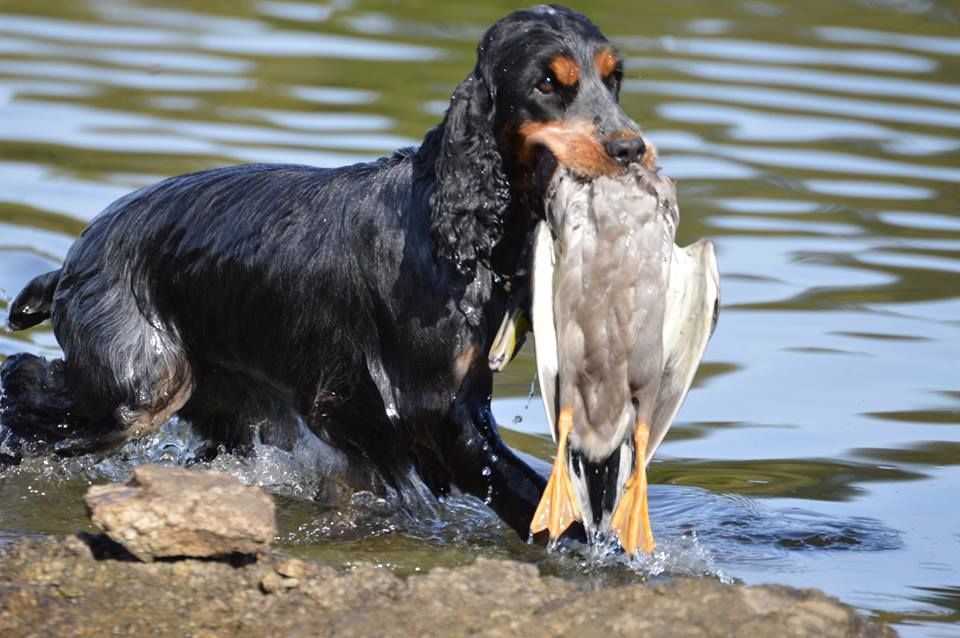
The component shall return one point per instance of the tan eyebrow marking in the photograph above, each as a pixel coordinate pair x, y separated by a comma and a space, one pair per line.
565, 69
606, 61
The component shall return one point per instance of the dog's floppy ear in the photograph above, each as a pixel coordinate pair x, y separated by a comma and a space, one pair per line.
471, 193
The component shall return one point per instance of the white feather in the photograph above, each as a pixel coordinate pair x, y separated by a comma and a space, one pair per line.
689, 318
544, 328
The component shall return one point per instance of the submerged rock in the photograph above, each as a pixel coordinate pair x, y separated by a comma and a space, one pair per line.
57, 586
167, 512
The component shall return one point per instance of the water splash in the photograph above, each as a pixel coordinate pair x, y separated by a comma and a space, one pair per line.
532, 391
604, 559
697, 530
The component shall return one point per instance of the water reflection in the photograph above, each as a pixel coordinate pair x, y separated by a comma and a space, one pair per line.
947, 416
816, 142
807, 479
935, 453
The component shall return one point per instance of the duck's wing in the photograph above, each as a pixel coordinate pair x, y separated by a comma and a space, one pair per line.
692, 307
544, 328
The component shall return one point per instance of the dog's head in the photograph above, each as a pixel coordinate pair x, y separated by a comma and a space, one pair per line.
545, 87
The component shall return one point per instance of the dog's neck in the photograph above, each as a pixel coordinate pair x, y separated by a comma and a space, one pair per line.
507, 256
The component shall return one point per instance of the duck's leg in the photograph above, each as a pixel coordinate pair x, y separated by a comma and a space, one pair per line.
558, 506
631, 520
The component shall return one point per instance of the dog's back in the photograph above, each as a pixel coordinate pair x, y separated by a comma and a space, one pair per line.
232, 287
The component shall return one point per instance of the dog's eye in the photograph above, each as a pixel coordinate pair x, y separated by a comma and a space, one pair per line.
548, 85
614, 80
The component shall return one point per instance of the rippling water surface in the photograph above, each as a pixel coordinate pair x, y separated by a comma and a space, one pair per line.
816, 142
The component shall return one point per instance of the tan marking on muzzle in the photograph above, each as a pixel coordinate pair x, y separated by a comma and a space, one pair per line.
649, 159
574, 144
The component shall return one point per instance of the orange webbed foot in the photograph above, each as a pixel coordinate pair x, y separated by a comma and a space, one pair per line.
631, 520
558, 506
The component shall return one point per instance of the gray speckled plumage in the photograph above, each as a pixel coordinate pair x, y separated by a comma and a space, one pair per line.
621, 314
614, 237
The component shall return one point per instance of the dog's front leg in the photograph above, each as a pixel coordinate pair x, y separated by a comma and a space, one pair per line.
481, 464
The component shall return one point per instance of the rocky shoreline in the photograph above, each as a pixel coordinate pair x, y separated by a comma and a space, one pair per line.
87, 586
92, 585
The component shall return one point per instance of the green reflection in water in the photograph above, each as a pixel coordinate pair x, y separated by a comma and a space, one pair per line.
931, 416
878, 336
814, 479
947, 598
29, 217
32, 504
932, 453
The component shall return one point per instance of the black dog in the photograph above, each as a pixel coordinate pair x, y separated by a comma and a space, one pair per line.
360, 301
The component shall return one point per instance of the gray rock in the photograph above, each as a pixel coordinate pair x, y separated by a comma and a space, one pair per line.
168, 511
57, 587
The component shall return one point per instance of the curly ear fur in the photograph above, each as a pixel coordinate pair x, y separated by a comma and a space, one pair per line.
471, 193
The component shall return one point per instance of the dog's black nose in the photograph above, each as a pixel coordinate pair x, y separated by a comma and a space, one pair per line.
626, 149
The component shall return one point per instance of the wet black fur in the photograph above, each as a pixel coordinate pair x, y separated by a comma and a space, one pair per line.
342, 297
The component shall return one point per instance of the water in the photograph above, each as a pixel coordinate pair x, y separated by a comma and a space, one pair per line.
817, 143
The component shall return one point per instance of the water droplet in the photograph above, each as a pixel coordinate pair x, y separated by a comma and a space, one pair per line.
486, 471
532, 391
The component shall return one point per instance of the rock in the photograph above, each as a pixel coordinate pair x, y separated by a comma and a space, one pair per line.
173, 512
40, 580
293, 568
271, 582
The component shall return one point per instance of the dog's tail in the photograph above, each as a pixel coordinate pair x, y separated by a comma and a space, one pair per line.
33, 303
